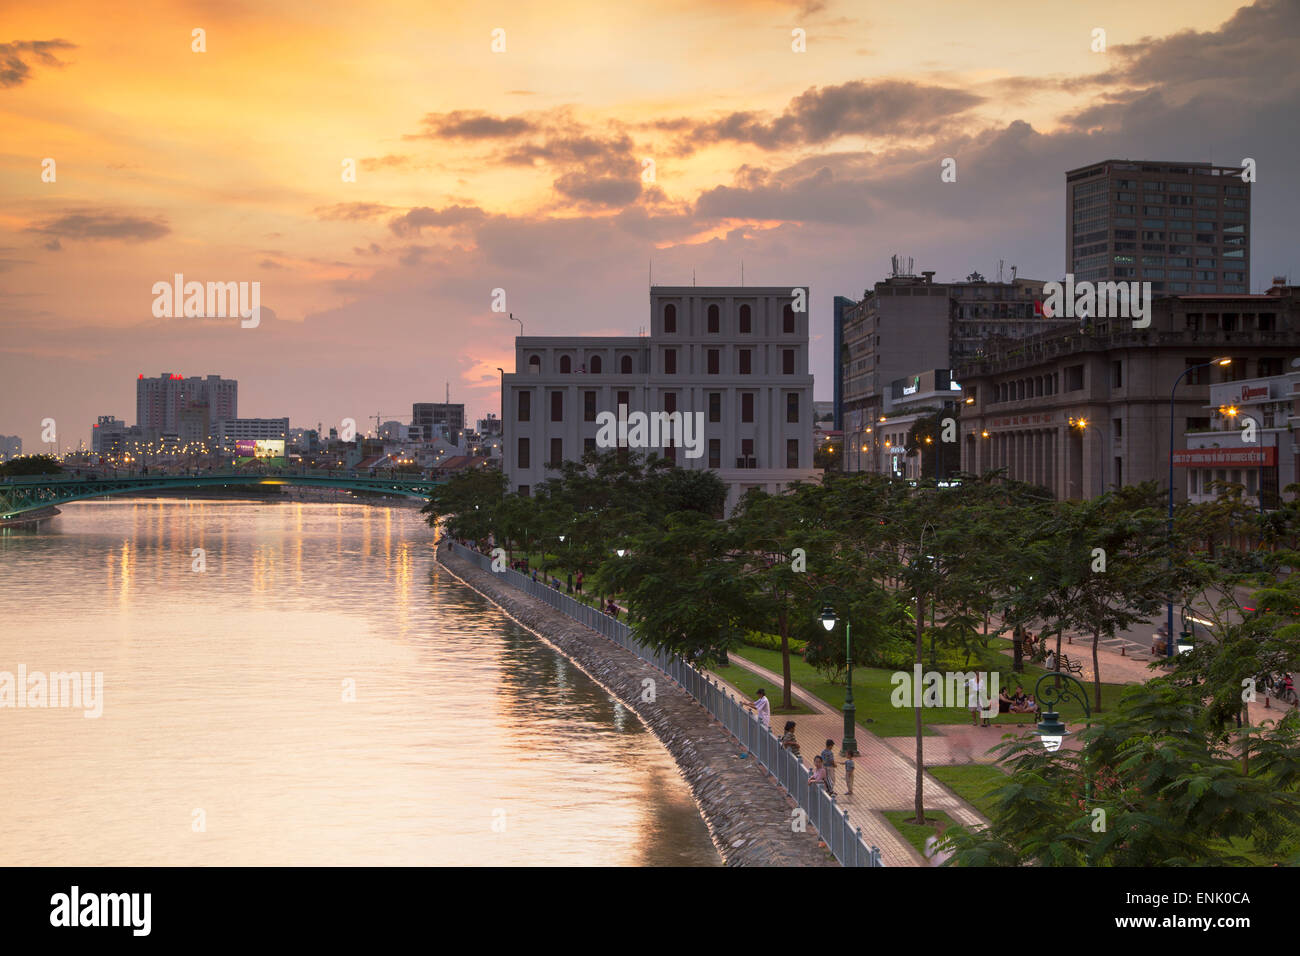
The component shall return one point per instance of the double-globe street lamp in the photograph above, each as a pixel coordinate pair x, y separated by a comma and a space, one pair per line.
1169, 530
828, 620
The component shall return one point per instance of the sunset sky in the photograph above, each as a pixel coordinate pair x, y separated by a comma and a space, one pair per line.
523, 170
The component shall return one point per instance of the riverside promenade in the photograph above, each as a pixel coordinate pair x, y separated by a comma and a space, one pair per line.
748, 814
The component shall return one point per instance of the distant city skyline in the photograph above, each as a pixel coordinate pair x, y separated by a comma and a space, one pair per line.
602, 150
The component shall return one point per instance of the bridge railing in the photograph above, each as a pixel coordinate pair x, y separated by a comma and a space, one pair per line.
843, 839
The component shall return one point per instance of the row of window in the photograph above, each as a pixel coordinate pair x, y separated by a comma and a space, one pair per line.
713, 362
524, 405
744, 320
523, 453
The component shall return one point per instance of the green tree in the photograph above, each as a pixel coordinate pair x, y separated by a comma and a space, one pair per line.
31, 465
467, 503
1168, 792
684, 593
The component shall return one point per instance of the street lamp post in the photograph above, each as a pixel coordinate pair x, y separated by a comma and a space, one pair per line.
849, 748
1169, 528
1051, 730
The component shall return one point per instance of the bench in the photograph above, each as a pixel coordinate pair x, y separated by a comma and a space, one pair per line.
1072, 667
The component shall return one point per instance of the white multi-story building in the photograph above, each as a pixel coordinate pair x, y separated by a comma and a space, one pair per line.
1244, 439
732, 358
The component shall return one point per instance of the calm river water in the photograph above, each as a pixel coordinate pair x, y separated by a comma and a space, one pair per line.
321, 693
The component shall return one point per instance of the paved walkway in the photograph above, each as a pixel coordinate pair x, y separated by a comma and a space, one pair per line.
884, 779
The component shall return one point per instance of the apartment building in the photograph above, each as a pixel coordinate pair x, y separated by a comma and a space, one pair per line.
161, 403
1183, 227
734, 358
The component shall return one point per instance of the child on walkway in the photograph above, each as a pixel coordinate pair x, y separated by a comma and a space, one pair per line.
818, 776
828, 761
848, 775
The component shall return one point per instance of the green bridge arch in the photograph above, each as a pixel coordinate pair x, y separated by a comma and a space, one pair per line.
31, 493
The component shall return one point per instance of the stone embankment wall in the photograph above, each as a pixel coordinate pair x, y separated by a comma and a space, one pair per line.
747, 811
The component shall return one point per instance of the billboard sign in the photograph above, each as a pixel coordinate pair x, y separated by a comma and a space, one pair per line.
268, 451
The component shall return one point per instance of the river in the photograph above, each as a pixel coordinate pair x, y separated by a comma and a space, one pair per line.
301, 684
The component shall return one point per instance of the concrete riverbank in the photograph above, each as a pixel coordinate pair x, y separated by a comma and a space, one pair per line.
747, 812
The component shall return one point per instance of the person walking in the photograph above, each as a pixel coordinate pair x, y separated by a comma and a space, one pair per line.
762, 708
848, 775
578, 583
828, 761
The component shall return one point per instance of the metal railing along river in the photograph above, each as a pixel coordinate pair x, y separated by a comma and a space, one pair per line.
844, 840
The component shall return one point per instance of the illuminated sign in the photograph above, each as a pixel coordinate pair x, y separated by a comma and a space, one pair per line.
916, 384
267, 450
1210, 457
1248, 392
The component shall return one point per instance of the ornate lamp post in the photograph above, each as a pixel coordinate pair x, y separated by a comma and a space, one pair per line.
1051, 729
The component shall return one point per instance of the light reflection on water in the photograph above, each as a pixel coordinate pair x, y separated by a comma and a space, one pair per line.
224, 693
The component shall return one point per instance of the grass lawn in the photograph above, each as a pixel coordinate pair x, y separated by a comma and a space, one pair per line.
913, 833
873, 688
973, 782
749, 683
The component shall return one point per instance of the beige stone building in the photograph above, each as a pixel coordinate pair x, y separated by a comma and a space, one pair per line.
1081, 412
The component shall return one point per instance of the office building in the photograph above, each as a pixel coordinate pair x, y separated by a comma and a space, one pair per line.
734, 358
1183, 227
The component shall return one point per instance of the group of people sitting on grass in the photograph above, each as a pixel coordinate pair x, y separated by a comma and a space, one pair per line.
1017, 703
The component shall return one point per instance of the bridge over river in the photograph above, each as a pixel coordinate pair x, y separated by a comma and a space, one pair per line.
28, 493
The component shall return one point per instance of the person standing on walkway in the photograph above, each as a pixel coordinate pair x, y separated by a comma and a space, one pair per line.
762, 708
787, 739
828, 761
848, 775
578, 582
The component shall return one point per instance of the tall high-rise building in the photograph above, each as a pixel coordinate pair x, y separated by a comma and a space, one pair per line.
169, 404
1183, 227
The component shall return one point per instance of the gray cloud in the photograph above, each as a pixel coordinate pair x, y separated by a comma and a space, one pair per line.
820, 115
101, 225
14, 66
471, 124
418, 218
